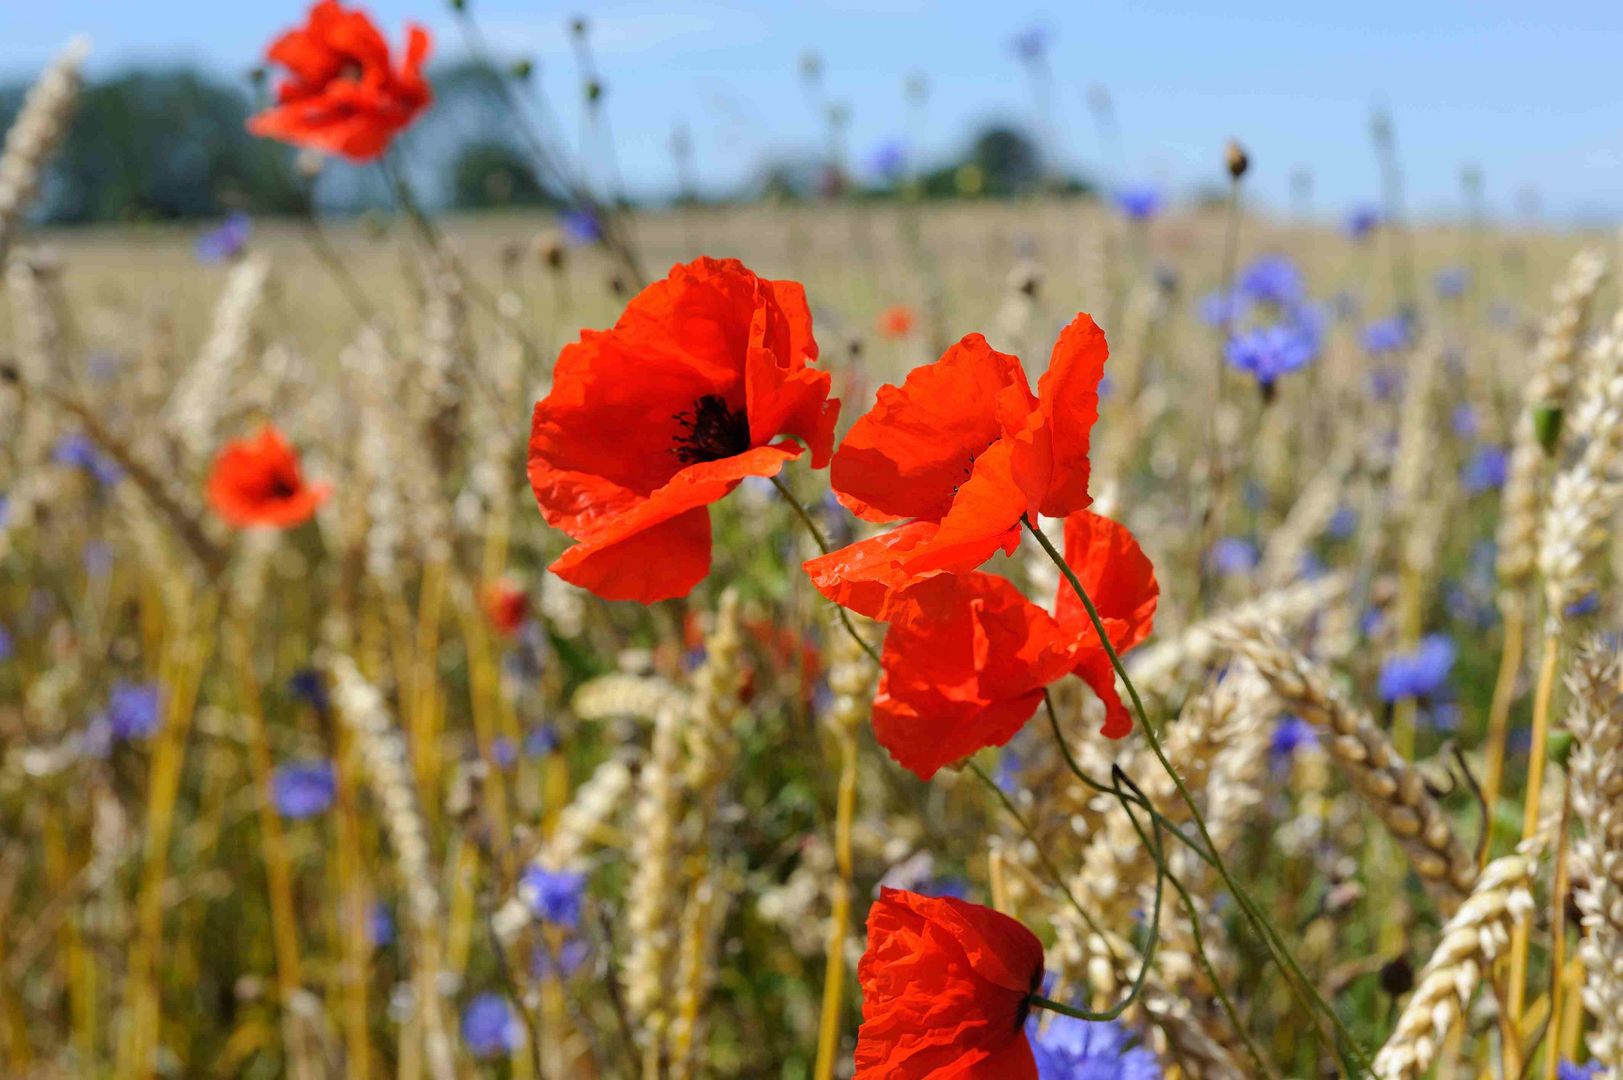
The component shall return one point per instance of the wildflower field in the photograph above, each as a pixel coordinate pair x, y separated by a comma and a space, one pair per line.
1065, 636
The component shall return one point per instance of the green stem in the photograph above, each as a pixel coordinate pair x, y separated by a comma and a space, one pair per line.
822, 545
1252, 911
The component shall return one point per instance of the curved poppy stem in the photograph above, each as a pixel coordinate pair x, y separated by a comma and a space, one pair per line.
822, 545
1253, 912
1148, 955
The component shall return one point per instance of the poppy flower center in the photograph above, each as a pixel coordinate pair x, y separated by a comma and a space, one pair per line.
351, 71
281, 487
711, 431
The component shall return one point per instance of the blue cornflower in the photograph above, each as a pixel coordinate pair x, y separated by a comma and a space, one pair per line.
502, 751
554, 895
1070, 1049
1450, 283
7, 648
77, 452
309, 686
1361, 221
1464, 421
1418, 674
1218, 308
1386, 383
890, 160
1485, 470
1031, 44
1272, 279
1233, 555
541, 741
225, 241
1587, 604
305, 789
570, 956
1386, 335
581, 227
1568, 1070
1271, 351
5, 509
132, 710
380, 925
1342, 523
1290, 734
490, 1027
1139, 202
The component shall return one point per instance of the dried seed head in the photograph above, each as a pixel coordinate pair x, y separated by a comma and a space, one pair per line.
1236, 160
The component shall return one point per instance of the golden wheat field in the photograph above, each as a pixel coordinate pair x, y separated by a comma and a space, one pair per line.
322, 753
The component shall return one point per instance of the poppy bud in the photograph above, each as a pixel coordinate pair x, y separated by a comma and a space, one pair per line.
550, 248
577, 27
594, 91
1234, 156
522, 70
1559, 747
1547, 426
1397, 976
257, 75
811, 66
459, 5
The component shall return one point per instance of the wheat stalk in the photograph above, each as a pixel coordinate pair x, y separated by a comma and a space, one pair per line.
1476, 934
34, 136
1389, 784
1596, 768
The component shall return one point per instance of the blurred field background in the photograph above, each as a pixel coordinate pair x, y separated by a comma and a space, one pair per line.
380, 797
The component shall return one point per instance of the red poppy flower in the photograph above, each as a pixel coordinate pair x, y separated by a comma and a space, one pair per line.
897, 321
258, 482
946, 986
506, 606
966, 450
965, 668
344, 96
705, 380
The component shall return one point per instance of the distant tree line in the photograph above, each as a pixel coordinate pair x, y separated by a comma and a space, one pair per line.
170, 144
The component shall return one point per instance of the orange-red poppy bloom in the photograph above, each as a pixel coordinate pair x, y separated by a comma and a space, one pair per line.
946, 986
897, 321
258, 481
506, 606
705, 380
966, 670
964, 449
343, 94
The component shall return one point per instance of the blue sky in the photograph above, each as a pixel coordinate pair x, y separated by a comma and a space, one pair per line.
1530, 92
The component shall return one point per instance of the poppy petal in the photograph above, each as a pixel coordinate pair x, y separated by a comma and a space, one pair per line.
1069, 396
908, 455
1118, 577
984, 517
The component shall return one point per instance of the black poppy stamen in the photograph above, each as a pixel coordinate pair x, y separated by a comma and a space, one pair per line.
711, 431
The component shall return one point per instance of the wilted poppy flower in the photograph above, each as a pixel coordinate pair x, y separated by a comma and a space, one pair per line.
704, 381
966, 450
258, 482
896, 321
966, 669
946, 988
343, 94
505, 606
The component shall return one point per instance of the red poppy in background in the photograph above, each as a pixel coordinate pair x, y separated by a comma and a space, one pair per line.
946, 986
506, 606
966, 450
343, 95
966, 670
705, 380
896, 321
258, 482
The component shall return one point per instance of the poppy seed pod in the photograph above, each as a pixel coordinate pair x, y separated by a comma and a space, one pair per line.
1235, 158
